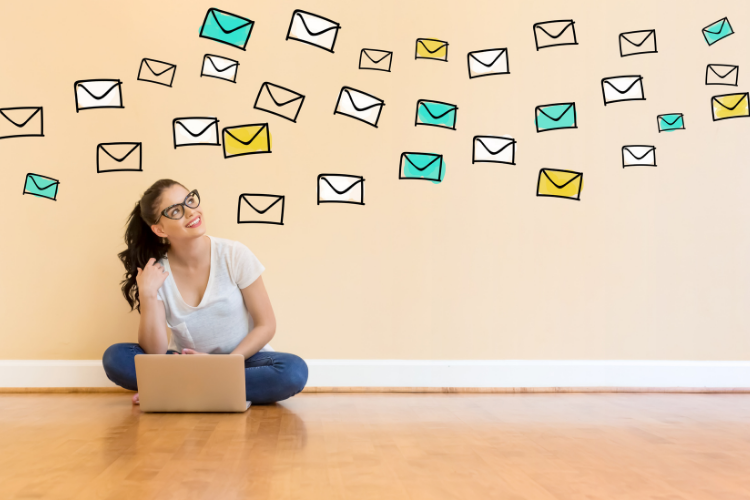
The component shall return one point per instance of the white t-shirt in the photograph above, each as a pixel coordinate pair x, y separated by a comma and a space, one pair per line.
221, 320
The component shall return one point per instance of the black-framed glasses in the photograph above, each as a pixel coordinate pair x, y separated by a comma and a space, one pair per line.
177, 211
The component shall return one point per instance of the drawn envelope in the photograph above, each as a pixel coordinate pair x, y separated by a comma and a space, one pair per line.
488, 62
730, 106
359, 105
670, 122
246, 140
341, 188
21, 122
196, 131
279, 101
722, 74
313, 30
260, 209
226, 28
157, 72
556, 116
92, 94
422, 166
644, 156
638, 42
622, 88
494, 149
430, 48
717, 31
41, 186
119, 157
560, 184
436, 114
220, 67
379, 60
555, 34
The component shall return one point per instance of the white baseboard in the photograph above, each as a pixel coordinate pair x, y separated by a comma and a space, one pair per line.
415, 373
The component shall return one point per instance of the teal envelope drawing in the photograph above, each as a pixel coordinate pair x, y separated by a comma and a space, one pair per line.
422, 166
227, 28
436, 114
39, 185
556, 116
673, 121
717, 31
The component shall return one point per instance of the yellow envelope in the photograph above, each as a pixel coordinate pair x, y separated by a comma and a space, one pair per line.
560, 183
246, 140
429, 48
730, 106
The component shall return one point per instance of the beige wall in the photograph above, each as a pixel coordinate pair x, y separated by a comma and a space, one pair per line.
650, 264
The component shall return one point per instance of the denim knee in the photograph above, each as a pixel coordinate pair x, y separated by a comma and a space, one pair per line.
297, 372
112, 361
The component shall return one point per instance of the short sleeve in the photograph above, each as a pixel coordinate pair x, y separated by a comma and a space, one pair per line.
245, 265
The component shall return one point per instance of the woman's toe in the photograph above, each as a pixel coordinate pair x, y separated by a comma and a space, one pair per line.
136, 401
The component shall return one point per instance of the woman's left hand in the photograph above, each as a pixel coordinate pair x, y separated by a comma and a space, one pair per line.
192, 351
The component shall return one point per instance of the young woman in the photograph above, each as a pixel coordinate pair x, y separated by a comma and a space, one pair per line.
208, 290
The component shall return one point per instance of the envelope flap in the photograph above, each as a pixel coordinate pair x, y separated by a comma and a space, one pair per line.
632, 38
712, 28
98, 89
256, 201
670, 119
375, 55
623, 84
421, 161
229, 22
220, 63
549, 111
365, 101
437, 109
196, 126
635, 150
246, 134
280, 95
487, 57
315, 25
713, 67
121, 150
19, 116
560, 178
552, 27
42, 182
158, 68
495, 145
431, 45
344, 182
725, 101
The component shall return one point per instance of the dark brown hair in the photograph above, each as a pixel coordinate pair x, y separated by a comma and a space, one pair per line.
142, 242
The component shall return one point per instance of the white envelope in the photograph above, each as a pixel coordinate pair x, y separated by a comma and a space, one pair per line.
555, 33
637, 42
21, 122
622, 88
359, 105
722, 74
488, 62
313, 29
158, 72
119, 156
639, 155
260, 209
194, 131
494, 149
341, 188
375, 59
220, 67
279, 101
98, 94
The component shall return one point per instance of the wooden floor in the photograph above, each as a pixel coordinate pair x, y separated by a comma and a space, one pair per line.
381, 446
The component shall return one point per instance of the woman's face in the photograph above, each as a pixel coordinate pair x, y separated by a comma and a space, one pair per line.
176, 229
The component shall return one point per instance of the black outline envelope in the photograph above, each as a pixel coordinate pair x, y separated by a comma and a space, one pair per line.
622, 88
629, 46
714, 77
376, 62
313, 29
638, 156
29, 124
252, 211
494, 149
336, 186
546, 31
363, 110
220, 67
109, 153
38, 177
430, 57
287, 106
97, 94
155, 75
492, 62
195, 127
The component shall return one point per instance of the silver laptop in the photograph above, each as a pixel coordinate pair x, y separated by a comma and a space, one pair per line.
191, 382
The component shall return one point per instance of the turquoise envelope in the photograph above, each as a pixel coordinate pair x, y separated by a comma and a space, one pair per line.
226, 28
424, 166
436, 114
39, 185
556, 116
670, 122
717, 31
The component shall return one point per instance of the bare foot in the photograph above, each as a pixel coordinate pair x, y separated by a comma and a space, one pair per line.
136, 401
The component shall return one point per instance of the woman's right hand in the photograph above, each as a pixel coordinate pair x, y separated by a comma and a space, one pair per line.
150, 278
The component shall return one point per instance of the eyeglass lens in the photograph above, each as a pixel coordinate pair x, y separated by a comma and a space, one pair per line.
177, 211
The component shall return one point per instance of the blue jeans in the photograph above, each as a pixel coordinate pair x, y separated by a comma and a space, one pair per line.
269, 376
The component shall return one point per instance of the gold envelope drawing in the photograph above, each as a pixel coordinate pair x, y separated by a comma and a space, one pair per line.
560, 183
21, 122
375, 59
430, 48
257, 208
119, 156
730, 106
246, 140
